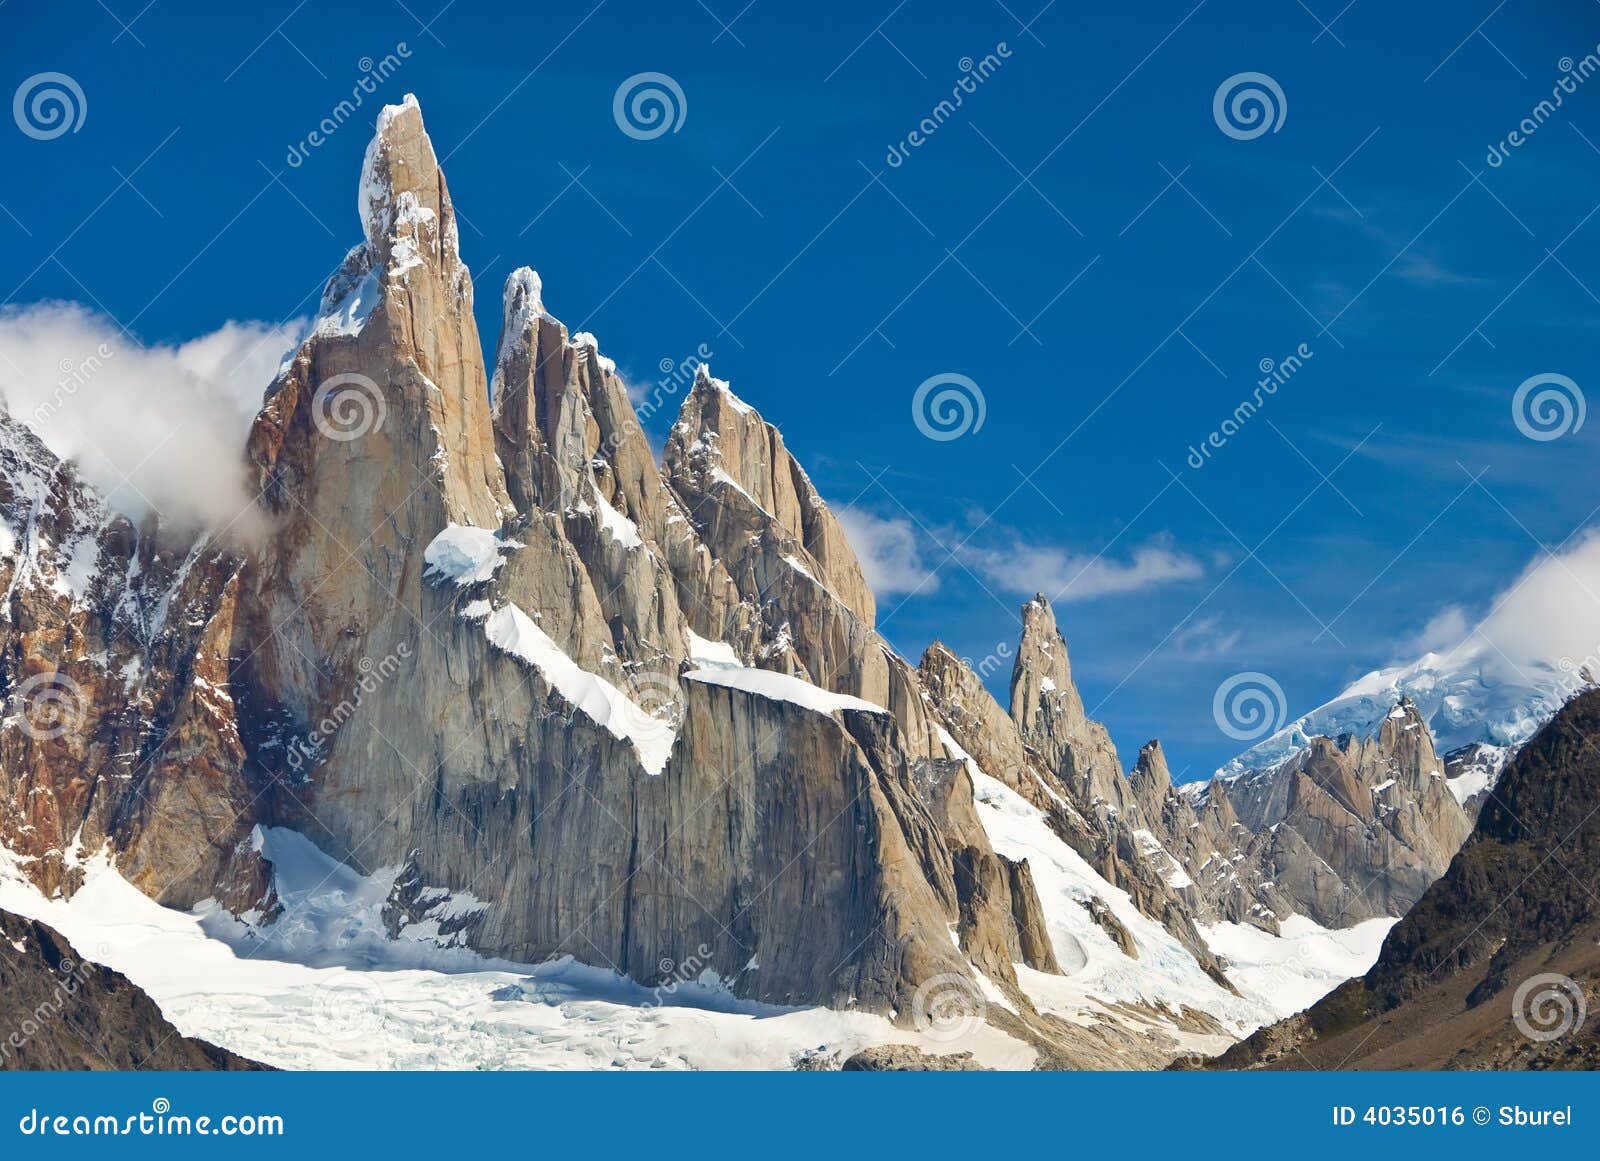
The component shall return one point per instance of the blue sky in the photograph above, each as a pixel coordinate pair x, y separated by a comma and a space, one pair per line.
1080, 239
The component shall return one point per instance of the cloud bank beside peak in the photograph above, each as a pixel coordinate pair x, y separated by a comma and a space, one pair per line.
151, 427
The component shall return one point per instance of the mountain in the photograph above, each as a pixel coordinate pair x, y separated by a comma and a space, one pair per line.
62, 1012
1485, 694
1347, 828
1498, 965
499, 698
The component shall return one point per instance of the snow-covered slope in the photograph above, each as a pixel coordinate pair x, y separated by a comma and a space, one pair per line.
1491, 689
325, 988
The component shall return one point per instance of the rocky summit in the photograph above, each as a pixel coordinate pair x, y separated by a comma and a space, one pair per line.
545, 698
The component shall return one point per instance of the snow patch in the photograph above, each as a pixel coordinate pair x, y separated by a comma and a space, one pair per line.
782, 687
513, 631
464, 555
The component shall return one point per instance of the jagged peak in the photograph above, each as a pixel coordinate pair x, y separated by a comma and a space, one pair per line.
705, 381
400, 174
523, 295
1151, 770
587, 342
938, 654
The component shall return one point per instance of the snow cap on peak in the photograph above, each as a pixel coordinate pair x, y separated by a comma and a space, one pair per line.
398, 127
524, 280
705, 380
587, 342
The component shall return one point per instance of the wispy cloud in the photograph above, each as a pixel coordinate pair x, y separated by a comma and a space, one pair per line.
890, 555
159, 426
1065, 574
1443, 629
1204, 639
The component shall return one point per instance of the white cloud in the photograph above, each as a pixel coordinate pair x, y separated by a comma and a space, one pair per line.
1551, 611
1065, 575
160, 426
890, 557
1204, 639
1443, 629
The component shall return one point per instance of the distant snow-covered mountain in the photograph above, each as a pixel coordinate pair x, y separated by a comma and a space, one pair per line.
1487, 693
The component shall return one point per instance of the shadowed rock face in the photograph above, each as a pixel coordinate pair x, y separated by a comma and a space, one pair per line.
1511, 928
58, 1012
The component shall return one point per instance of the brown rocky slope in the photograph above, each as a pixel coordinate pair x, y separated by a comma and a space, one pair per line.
58, 1011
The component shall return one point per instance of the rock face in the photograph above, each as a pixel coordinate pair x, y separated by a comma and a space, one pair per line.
60, 1012
1348, 829
584, 704
119, 723
1497, 966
